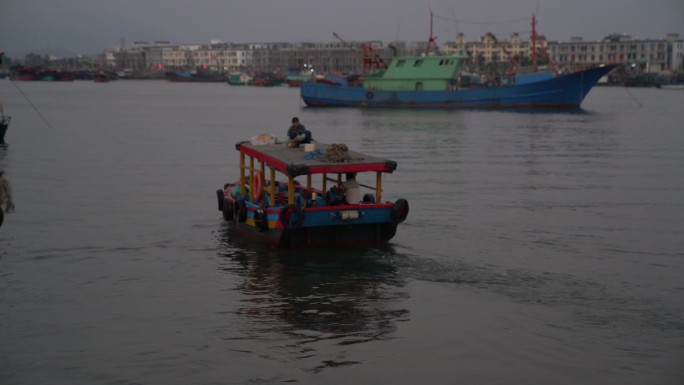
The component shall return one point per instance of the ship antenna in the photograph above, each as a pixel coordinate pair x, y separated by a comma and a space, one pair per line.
534, 43
432, 40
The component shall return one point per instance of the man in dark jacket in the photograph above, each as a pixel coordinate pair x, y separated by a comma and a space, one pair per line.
298, 134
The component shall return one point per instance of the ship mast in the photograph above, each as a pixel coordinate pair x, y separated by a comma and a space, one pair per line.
432, 40
534, 43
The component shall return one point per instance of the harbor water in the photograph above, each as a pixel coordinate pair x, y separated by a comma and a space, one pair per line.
540, 247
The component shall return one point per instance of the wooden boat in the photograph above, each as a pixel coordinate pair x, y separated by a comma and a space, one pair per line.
267, 205
672, 86
296, 79
239, 79
195, 76
100, 77
4, 123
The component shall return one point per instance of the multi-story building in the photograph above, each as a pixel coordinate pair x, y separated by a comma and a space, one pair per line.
650, 55
489, 49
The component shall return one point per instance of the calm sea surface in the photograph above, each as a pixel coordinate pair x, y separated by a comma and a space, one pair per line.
541, 248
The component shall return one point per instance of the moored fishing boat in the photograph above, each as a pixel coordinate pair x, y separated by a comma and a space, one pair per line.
287, 213
100, 77
296, 79
432, 91
239, 79
434, 81
195, 76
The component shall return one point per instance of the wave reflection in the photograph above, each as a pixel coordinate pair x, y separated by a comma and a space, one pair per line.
314, 299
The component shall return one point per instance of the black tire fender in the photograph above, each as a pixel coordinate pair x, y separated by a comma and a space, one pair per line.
400, 210
241, 209
286, 214
227, 209
219, 197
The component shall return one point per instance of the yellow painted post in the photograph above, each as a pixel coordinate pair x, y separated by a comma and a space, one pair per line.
263, 178
251, 174
290, 190
378, 187
325, 183
242, 173
273, 187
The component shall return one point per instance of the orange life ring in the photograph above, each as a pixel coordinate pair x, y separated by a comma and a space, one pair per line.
256, 187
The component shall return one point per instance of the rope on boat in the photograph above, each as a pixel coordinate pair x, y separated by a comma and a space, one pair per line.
338, 153
632, 96
30, 103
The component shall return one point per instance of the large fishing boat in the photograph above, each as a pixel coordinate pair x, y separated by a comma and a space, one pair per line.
434, 81
268, 205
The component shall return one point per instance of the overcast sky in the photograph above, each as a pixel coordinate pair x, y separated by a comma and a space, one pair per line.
91, 26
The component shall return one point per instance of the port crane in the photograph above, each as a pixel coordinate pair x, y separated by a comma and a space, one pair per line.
371, 61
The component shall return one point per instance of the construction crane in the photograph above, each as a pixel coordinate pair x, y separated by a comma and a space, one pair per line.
370, 60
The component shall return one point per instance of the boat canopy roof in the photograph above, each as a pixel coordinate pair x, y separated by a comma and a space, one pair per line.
295, 161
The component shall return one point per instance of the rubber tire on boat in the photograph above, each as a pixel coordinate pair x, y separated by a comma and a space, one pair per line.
400, 210
261, 219
285, 215
369, 95
219, 197
241, 208
227, 209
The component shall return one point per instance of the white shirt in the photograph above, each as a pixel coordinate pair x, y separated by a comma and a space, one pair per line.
352, 191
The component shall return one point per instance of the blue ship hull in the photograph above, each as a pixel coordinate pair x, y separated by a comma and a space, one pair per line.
565, 91
320, 227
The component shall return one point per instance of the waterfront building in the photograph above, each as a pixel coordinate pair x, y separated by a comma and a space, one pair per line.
648, 55
490, 49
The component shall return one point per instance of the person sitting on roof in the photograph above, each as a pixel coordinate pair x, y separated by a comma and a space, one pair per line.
298, 134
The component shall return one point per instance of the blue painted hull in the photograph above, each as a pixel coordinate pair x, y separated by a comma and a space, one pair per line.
320, 227
565, 91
